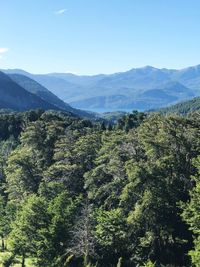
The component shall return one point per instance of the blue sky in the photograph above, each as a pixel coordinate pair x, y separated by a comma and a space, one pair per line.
98, 36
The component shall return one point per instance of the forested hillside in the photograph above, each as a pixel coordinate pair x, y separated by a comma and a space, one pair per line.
74, 193
183, 108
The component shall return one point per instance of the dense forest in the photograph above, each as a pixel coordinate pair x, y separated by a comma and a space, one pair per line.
81, 194
182, 108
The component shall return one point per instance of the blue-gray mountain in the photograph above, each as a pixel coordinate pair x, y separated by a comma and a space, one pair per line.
37, 89
13, 96
20, 93
142, 88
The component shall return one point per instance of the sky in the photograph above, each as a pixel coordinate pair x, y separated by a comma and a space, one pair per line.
98, 36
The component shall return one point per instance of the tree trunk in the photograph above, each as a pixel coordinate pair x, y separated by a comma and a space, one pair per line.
86, 260
23, 260
2, 244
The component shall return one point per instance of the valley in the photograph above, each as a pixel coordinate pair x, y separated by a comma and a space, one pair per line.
137, 89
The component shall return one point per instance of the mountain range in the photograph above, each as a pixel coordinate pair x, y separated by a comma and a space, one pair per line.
140, 88
13, 96
20, 93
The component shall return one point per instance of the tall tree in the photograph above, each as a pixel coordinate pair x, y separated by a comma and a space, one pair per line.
191, 214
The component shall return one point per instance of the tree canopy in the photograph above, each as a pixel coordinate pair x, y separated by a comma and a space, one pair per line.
76, 193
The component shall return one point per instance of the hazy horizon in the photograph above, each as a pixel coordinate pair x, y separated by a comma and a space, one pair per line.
96, 74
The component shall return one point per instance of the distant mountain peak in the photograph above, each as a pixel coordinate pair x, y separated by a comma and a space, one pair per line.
148, 67
170, 85
16, 71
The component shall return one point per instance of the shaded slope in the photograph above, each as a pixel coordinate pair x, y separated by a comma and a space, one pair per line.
34, 87
15, 97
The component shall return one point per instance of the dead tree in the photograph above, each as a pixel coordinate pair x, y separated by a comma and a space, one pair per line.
83, 240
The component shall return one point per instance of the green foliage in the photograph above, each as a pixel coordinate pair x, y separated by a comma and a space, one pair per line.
183, 108
130, 121
8, 260
110, 229
73, 193
149, 264
106, 180
191, 214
